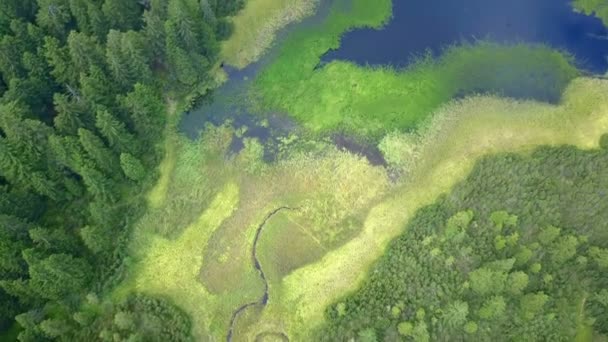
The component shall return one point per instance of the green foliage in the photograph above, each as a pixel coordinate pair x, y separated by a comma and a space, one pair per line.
115, 132
132, 167
252, 156
122, 15
128, 58
405, 328
341, 95
80, 85
104, 158
59, 275
553, 257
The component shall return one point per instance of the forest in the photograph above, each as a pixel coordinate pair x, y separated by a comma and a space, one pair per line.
195, 170
85, 87
485, 263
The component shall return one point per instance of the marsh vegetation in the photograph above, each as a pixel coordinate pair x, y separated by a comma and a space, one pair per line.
461, 196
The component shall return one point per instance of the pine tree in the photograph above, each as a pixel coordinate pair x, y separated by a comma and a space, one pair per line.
85, 52
68, 152
154, 31
58, 58
89, 18
104, 158
72, 114
147, 112
127, 58
54, 16
123, 14
191, 42
13, 239
98, 21
59, 275
13, 9
132, 167
96, 87
115, 132
23, 37
97, 184
98, 240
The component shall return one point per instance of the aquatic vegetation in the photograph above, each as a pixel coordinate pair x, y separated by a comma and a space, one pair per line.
256, 26
372, 101
598, 8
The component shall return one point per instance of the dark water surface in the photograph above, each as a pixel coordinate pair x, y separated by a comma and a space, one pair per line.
421, 25
229, 100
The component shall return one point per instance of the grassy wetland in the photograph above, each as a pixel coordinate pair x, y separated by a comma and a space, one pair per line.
303, 170
212, 239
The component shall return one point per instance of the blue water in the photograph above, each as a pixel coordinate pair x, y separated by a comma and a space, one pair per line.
419, 26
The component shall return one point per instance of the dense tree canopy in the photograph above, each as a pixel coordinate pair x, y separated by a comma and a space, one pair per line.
516, 252
81, 114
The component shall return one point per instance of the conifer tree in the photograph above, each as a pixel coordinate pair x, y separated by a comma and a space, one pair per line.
115, 132
132, 167
123, 14
54, 16
85, 52
104, 158
96, 87
147, 111
58, 58
127, 58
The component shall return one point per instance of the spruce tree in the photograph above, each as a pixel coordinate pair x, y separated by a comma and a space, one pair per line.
123, 14
115, 132
132, 167
147, 112
54, 16
127, 58
104, 158
85, 51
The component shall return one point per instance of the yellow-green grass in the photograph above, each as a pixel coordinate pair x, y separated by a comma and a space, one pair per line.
584, 330
461, 132
256, 26
327, 189
219, 276
169, 268
368, 101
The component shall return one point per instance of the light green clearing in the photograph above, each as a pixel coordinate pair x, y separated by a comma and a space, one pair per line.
304, 280
370, 101
169, 268
584, 331
255, 28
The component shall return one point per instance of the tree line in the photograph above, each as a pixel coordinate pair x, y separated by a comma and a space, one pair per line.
516, 252
82, 111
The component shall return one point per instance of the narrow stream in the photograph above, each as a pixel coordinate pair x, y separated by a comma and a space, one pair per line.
256, 264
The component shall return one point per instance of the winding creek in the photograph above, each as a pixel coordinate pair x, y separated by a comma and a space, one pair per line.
258, 266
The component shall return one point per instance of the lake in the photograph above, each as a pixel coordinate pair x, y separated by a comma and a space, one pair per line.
418, 26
